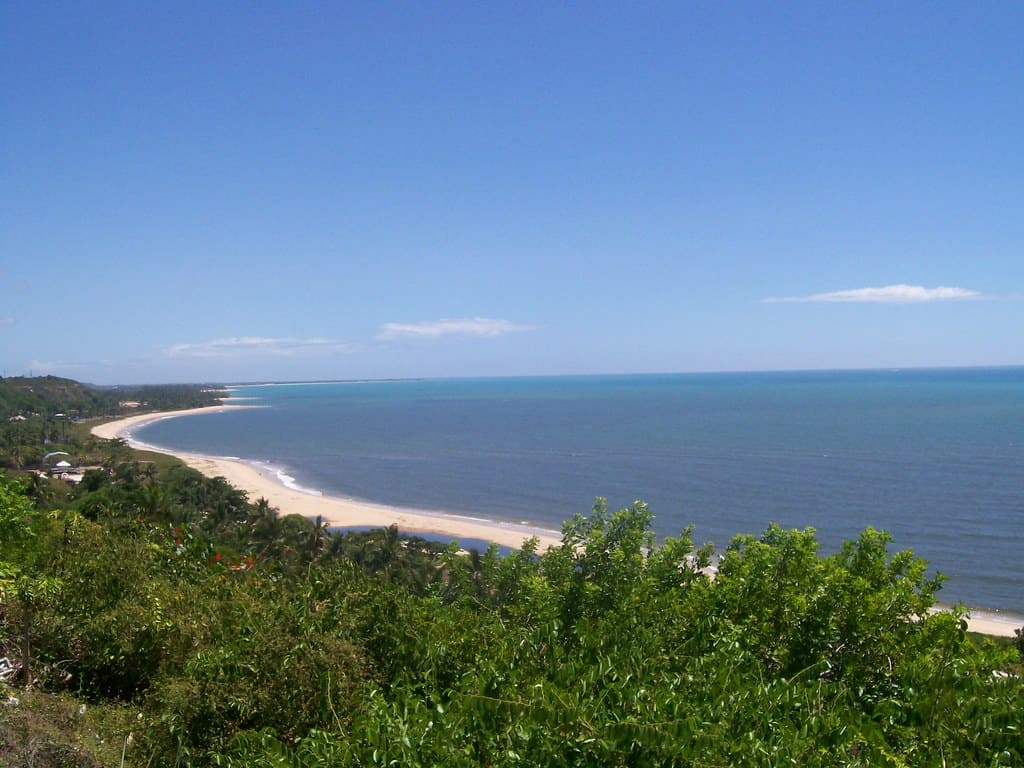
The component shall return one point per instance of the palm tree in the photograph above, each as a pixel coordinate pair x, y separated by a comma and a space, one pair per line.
317, 539
387, 551
266, 523
155, 501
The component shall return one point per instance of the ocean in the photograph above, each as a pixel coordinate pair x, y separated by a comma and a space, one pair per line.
935, 457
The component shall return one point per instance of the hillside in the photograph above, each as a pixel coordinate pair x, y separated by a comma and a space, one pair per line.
49, 395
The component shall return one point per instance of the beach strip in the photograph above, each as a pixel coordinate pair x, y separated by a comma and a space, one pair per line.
341, 512
338, 512
987, 623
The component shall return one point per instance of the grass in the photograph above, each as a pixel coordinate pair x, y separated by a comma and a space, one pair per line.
45, 731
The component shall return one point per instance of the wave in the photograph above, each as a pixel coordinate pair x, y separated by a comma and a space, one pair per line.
282, 476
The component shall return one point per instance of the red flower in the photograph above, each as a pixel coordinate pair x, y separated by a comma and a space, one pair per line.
216, 557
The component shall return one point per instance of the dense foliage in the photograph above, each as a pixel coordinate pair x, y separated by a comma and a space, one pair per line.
24, 396
238, 637
156, 617
45, 413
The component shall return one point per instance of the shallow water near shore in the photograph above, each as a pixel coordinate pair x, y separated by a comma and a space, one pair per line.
935, 457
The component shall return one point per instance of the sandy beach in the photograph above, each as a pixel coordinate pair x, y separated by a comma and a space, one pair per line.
338, 511
992, 624
343, 512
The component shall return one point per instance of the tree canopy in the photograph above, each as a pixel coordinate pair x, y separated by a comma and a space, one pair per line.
241, 638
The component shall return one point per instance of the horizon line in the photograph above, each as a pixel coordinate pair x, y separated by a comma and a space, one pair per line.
707, 372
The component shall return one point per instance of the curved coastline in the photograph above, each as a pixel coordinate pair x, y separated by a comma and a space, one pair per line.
261, 479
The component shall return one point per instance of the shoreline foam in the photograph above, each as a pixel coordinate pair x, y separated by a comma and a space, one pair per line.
262, 479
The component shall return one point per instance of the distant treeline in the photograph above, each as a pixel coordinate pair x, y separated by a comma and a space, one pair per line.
49, 395
43, 413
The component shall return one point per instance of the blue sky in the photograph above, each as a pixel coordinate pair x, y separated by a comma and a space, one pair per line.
257, 191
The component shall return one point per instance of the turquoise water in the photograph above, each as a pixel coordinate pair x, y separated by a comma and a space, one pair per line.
936, 457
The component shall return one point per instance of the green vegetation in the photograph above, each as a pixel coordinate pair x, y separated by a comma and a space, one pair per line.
161, 618
42, 414
237, 637
49, 395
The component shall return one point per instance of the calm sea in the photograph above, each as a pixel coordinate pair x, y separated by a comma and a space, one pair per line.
935, 457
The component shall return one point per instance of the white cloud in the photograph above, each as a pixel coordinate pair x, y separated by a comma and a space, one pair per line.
472, 326
889, 294
246, 346
7, 320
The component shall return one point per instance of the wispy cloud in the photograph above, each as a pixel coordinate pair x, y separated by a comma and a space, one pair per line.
7, 320
888, 294
471, 326
254, 346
